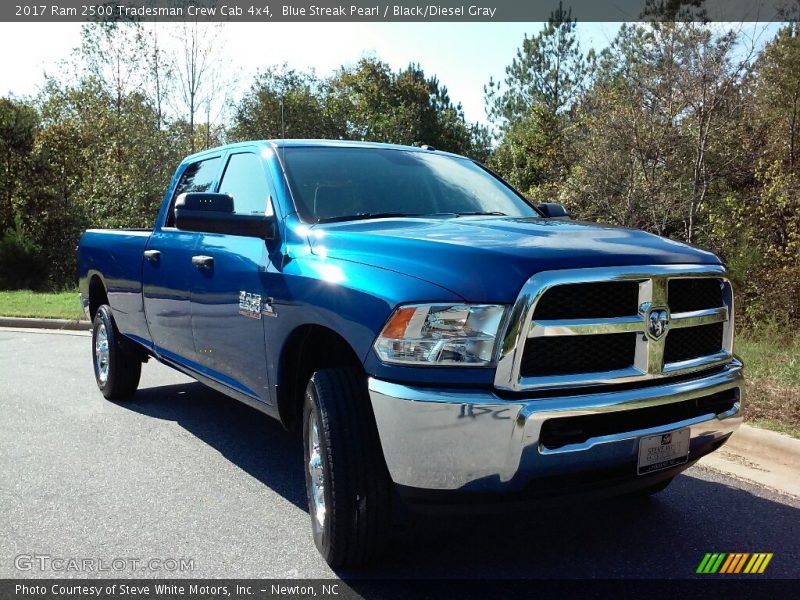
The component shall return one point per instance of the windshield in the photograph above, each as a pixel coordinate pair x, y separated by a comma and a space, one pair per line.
330, 184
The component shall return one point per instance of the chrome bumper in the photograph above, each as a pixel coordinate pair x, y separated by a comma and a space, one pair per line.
456, 439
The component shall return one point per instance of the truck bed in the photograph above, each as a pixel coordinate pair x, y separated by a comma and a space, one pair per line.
115, 256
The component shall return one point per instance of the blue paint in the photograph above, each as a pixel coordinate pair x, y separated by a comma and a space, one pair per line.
347, 276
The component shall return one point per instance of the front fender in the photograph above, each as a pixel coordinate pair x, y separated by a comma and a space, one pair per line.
355, 300
352, 299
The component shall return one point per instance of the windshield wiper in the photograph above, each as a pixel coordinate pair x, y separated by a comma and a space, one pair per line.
388, 215
371, 215
493, 213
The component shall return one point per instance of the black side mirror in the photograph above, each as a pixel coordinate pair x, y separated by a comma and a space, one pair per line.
213, 213
205, 202
552, 210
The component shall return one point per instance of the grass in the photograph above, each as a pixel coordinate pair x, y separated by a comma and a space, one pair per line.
771, 357
778, 426
24, 303
772, 369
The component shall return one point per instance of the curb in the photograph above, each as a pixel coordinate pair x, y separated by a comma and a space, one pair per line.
63, 324
763, 457
771, 445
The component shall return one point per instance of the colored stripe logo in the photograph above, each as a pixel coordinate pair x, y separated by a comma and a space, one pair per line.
732, 563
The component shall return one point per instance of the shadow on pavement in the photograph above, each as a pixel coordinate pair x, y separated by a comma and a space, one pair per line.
251, 440
661, 537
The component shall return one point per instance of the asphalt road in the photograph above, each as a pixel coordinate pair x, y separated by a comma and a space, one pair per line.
183, 472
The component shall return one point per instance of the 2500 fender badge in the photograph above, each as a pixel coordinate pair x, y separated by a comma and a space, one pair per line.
250, 305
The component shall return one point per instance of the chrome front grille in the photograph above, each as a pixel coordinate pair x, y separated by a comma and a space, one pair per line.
589, 300
565, 355
697, 293
586, 327
693, 342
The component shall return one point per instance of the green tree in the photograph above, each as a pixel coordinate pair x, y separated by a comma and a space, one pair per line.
198, 84
757, 229
426, 114
282, 102
549, 70
19, 122
368, 101
658, 143
777, 91
99, 160
533, 107
534, 153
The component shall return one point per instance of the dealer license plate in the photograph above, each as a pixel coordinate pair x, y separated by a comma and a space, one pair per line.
662, 451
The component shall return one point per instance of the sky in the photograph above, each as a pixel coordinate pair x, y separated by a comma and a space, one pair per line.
462, 55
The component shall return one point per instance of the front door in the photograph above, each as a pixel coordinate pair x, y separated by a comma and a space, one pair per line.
228, 295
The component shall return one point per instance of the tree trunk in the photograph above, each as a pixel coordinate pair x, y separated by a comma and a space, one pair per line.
793, 132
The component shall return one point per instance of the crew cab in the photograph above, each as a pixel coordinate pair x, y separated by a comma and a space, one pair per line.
436, 339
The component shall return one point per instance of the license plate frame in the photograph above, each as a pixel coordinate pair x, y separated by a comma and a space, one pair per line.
663, 451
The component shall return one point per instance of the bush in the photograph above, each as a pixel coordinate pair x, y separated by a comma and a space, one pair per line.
21, 263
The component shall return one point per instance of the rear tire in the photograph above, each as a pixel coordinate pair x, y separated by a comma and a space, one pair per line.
116, 369
347, 482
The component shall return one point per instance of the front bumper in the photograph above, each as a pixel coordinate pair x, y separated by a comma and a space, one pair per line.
476, 441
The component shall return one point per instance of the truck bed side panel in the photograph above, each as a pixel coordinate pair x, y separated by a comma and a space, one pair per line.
116, 257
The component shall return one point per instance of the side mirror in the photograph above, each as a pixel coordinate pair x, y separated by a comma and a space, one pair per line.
552, 210
213, 213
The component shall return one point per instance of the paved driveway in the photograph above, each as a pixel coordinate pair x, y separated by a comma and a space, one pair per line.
183, 472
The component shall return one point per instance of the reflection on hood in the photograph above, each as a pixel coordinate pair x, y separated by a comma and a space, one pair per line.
488, 259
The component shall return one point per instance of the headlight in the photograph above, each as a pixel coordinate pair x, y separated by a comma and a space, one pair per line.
441, 334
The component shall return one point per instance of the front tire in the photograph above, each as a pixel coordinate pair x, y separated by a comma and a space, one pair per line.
116, 369
347, 482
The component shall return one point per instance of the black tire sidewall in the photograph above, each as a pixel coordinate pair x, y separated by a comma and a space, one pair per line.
104, 318
357, 483
312, 409
124, 366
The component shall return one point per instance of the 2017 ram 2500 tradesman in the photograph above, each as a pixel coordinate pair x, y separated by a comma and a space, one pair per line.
434, 336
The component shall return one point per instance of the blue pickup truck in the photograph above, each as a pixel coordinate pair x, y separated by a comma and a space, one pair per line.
435, 338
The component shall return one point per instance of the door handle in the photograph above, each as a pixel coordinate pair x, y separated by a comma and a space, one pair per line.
152, 255
203, 262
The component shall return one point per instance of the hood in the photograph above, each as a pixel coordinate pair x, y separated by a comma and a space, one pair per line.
488, 259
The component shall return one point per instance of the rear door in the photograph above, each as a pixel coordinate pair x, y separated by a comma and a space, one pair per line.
168, 274
228, 296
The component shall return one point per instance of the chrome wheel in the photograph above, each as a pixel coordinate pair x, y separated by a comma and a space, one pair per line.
316, 472
101, 354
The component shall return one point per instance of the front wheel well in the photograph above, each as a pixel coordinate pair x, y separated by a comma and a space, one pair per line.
309, 348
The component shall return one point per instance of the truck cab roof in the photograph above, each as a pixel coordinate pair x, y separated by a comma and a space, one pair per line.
305, 143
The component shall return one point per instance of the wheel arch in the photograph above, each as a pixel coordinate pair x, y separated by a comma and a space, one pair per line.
98, 295
308, 348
